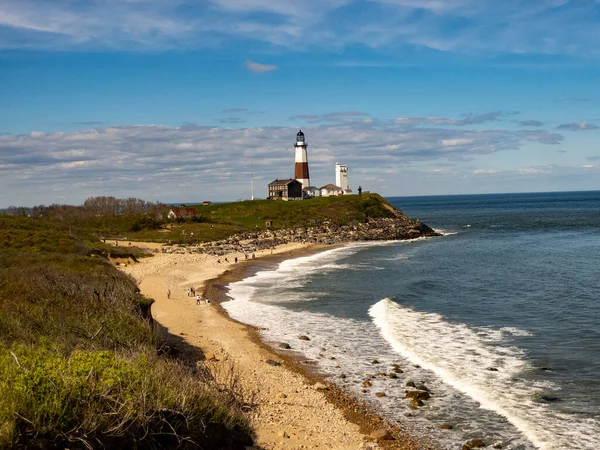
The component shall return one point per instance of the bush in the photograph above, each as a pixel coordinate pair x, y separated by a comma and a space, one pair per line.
54, 401
78, 355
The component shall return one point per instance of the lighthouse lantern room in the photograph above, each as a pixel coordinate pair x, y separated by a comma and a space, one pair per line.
301, 166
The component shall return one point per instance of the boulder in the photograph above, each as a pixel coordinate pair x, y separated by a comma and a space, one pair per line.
285, 345
304, 338
380, 394
418, 395
273, 363
320, 387
446, 426
473, 443
415, 403
410, 383
366, 384
374, 362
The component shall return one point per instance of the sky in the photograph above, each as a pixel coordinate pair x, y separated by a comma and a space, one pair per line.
190, 100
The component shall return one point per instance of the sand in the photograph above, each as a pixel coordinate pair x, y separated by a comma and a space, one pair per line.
290, 412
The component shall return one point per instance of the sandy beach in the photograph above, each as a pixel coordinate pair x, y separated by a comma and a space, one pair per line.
290, 412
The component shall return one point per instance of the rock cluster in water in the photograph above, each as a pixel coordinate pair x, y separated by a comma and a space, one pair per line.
385, 229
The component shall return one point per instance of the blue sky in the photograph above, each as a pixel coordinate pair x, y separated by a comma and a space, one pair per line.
181, 100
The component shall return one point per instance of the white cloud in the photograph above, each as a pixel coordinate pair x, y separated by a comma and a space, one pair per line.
469, 119
190, 162
577, 126
255, 67
461, 26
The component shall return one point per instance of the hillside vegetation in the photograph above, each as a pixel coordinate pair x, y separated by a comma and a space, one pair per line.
134, 220
80, 365
340, 210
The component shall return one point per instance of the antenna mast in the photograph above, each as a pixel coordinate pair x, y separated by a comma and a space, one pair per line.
251, 183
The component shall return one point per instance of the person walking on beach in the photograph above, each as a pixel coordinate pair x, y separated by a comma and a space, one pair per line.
198, 299
168, 293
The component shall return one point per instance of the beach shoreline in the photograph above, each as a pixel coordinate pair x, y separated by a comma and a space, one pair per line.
290, 412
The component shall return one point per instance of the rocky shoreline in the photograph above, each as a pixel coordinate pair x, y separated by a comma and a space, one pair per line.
383, 229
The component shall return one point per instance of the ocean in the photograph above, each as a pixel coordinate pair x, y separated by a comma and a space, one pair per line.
499, 318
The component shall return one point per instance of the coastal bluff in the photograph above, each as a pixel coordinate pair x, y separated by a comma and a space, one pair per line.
379, 229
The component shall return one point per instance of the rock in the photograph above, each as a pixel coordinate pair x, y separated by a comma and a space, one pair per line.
550, 398
382, 374
380, 394
418, 395
320, 387
381, 435
374, 362
304, 338
473, 443
343, 375
280, 396
396, 366
422, 387
392, 375
366, 384
410, 384
210, 356
415, 403
446, 426
273, 363
398, 370
283, 435
285, 345
492, 369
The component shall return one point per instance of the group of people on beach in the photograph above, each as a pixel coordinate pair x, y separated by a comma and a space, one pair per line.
235, 260
191, 292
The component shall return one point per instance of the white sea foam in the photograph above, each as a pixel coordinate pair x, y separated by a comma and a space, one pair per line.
516, 331
456, 354
445, 233
462, 356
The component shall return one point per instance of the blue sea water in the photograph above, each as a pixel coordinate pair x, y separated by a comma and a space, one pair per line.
500, 318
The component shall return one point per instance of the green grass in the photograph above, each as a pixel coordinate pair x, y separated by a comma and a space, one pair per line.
340, 210
219, 221
78, 355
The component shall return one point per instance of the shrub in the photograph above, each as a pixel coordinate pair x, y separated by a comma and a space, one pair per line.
50, 400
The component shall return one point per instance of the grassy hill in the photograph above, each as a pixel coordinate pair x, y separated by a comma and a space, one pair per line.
340, 210
218, 221
79, 361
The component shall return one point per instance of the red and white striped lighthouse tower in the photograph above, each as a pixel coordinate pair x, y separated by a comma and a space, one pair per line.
301, 168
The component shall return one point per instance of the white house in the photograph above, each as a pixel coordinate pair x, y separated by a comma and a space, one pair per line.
331, 189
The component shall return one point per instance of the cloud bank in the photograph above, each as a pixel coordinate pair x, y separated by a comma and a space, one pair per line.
545, 27
194, 162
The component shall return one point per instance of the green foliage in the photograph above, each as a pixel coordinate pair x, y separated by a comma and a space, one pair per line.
50, 399
78, 363
145, 223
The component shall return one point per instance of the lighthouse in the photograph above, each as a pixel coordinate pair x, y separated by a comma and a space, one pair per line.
301, 167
